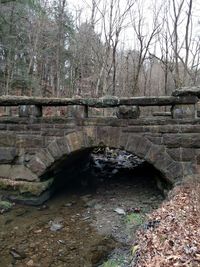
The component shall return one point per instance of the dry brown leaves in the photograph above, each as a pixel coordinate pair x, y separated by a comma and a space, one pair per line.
175, 241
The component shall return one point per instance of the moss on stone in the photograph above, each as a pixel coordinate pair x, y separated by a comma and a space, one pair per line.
5, 205
34, 188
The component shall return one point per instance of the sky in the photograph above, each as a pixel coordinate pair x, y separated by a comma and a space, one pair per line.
127, 35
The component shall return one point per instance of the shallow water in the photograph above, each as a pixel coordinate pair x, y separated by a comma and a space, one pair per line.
90, 231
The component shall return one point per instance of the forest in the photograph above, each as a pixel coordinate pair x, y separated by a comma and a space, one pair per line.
103, 47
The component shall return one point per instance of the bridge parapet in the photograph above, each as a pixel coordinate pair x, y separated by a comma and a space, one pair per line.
181, 106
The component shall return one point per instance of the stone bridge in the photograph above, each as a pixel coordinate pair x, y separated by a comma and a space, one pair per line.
32, 146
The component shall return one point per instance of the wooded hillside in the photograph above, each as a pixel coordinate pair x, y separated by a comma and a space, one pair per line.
123, 48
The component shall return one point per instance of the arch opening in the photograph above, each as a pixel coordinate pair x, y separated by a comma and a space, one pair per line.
89, 169
108, 189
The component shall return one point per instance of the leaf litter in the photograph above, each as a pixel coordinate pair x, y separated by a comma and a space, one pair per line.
175, 239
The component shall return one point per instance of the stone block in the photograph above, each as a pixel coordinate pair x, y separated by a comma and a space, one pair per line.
157, 140
143, 147
103, 136
27, 140
20, 172
187, 154
132, 143
191, 140
63, 145
138, 145
7, 154
3, 126
172, 140
75, 141
52, 132
174, 171
156, 154
55, 150
126, 112
36, 166
5, 170
113, 137
189, 168
135, 129
45, 156
90, 133
7, 140
123, 139
33, 188
174, 153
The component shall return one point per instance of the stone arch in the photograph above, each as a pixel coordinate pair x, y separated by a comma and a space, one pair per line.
115, 137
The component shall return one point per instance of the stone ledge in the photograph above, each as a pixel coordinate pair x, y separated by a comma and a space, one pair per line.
187, 91
17, 172
24, 187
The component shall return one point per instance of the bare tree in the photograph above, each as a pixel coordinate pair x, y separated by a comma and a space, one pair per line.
144, 39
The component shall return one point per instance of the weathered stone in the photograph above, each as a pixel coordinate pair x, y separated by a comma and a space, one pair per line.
3, 126
132, 143
174, 171
91, 135
162, 113
7, 140
103, 136
182, 140
37, 166
157, 140
24, 141
187, 91
187, 154
123, 139
164, 163
184, 111
7, 154
113, 136
189, 169
189, 128
20, 128
125, 112
182, 154
45, 156
63, 145
155, 154
53, 132
172, 140
33, 200
20, 172
55, 150
75, 141
34, 127
198, 108
143, 147
138, 145
175, 153
107, 101
34, 188
135, 129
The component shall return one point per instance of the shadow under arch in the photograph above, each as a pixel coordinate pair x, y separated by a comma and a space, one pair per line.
114, 137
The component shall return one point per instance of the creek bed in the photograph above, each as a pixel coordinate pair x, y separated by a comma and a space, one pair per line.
79, 226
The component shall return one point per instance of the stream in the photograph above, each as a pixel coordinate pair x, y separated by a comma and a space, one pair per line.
81, 226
